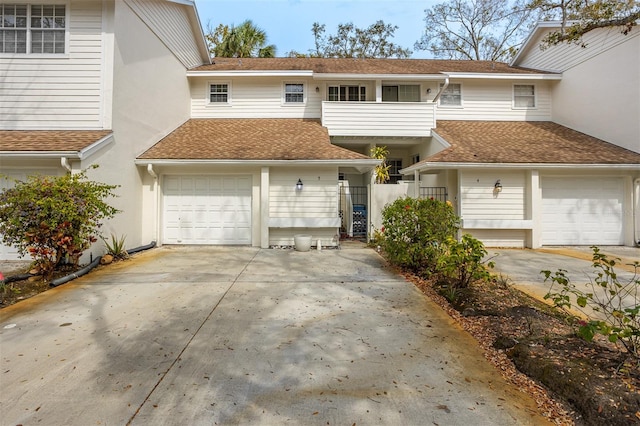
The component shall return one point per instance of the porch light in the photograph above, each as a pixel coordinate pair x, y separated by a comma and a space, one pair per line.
299, 185
498, 186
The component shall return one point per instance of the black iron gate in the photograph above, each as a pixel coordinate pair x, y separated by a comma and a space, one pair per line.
354, 201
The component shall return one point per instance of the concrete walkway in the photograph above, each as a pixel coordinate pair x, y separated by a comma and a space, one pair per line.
213, 335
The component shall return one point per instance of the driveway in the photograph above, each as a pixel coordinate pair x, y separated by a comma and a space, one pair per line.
522, 266
220, 335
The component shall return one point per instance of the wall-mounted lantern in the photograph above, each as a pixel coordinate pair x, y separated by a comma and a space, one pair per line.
299, 185
498, 186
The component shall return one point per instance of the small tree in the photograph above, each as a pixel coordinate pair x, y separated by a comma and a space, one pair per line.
54, 219
381, 171
350, 41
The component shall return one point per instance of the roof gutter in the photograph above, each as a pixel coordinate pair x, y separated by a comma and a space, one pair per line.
436, 165
444, 87
367, 163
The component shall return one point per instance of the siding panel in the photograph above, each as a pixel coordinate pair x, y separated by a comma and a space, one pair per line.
51, 92
478, 201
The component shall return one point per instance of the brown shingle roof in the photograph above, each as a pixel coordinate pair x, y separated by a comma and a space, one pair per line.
49, 140
524, 142
362, 66
249, 139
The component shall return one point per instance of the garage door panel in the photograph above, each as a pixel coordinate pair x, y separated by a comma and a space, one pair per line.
207, 209
582, 211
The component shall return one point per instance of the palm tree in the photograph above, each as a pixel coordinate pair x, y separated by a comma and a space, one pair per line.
245, 41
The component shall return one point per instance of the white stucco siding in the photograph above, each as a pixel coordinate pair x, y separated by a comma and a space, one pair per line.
57, 91
150, 99
253, 98
492, 100
601, 96
317, 199
170, 22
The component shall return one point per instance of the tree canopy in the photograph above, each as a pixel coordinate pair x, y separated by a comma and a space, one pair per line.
350, 41
578, 17
243, 41
476, 29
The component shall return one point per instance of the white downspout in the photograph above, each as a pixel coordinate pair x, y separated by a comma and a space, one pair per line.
64, 162
636, 211
151, 171
444, 87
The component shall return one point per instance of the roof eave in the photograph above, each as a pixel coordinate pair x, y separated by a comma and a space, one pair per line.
40, 154
250, 73
461, 165
504, 76
360, 76
369, 162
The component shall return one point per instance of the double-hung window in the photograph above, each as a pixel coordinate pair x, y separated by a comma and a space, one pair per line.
452, 95
294, 93
26, 28
524, 96
220, 93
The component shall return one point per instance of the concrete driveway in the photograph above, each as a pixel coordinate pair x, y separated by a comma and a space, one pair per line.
522, 266
220, 335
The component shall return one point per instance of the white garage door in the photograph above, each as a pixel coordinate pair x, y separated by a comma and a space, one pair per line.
582, 211
207, 209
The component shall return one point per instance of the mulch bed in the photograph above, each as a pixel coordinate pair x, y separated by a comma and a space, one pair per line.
574, 382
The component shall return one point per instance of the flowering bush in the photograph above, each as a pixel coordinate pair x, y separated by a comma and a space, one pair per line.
54, 219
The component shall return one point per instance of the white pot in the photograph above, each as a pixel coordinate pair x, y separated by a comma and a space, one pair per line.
302, 242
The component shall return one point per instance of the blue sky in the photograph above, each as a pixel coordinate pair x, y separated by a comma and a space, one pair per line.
288, 22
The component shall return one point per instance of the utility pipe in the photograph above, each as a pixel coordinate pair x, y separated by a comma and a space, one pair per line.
636, 211
444, 87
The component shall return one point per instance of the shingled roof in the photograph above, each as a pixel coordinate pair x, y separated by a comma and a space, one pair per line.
249, 139
363, 66
524, 142
49, 140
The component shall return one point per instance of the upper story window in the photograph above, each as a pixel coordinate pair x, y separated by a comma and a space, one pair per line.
401, 93
28, 28
294, 93
219, 93
524, 96
347, 93
452, 95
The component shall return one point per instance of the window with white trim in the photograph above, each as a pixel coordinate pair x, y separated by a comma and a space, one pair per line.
220, 93
395, 165
294, 93
452, 95
26, 28
524, 96
347, 93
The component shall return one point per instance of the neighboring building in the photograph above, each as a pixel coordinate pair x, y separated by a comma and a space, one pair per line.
212, 153
100, 86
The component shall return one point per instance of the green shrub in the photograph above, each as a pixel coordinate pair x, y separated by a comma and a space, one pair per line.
462, 263
610, 306
415, 231
54, 218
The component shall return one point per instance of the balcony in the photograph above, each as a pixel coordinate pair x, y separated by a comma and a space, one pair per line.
400, 119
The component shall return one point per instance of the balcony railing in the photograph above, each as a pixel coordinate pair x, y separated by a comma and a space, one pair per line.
409, 119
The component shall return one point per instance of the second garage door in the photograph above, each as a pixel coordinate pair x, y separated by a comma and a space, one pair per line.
582, 211
207, 209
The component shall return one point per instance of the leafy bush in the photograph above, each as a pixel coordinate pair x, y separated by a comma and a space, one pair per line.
54, 218
415, 231
610, 306
462, 263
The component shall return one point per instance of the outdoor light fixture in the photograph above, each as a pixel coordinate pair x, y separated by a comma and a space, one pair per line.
299, 185
498, 186
428, 90
317, 89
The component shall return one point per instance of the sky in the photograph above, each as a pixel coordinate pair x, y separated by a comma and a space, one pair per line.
288, 22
